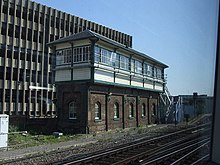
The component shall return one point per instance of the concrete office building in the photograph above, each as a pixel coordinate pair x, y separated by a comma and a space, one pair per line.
103, 85
26, 78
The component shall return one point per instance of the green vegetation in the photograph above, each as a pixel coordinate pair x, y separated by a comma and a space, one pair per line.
22, 139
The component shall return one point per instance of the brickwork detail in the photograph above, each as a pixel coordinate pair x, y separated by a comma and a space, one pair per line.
93, 124
87, 96
114, 123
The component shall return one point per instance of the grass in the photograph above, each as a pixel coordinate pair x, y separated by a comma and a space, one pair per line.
19, 140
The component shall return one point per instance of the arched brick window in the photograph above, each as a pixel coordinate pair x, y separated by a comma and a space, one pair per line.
131, 110
97, 111
73, 110
154, 111
143, 110
116, 110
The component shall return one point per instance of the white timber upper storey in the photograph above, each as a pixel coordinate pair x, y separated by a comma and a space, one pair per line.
92, 57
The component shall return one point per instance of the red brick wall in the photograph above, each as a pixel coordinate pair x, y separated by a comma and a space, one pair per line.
86, 122
130, 122
143, 120
96, 125
111, 122
67, 99
69, 92
152, 115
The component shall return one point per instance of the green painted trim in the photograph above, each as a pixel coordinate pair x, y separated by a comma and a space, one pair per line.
98, 120
127, 86
74, 81
92, 61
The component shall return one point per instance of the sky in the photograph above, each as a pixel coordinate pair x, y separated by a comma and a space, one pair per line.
180, 33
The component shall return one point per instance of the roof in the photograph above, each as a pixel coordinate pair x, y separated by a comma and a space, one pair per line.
88, 34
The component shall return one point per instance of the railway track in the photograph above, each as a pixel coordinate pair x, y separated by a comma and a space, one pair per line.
165, 149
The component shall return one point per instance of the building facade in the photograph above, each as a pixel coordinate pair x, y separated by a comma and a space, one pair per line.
26, 77
187, 107
103, 85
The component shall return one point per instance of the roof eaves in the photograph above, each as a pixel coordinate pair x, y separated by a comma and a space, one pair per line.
73, 37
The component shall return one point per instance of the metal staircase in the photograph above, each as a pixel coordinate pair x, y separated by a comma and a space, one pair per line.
166, 104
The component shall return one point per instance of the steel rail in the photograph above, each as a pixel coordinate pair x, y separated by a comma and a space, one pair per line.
161, 149
164, 157
190, 153
201, 159
124, 148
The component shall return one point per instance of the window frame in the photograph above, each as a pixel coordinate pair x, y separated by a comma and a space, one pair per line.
73, 110
116, 110
138, 67
131, 110
124, 62
143, 110
98, 111
154, 109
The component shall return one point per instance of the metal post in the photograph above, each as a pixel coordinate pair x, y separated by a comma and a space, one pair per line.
175, 118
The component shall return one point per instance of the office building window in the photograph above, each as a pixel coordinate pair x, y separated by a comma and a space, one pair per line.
57, 22
2, 50
41, 18
10, 30
41, 37
35, 36
47, 22
11, 10
3, 29
71, 27
67, 26
17, 31
24, 13
5, 7
16, 52
51, 37
23, 33
62, 24
9, 53
18, 11
30, 15
52, 21
36, 16
29, 35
